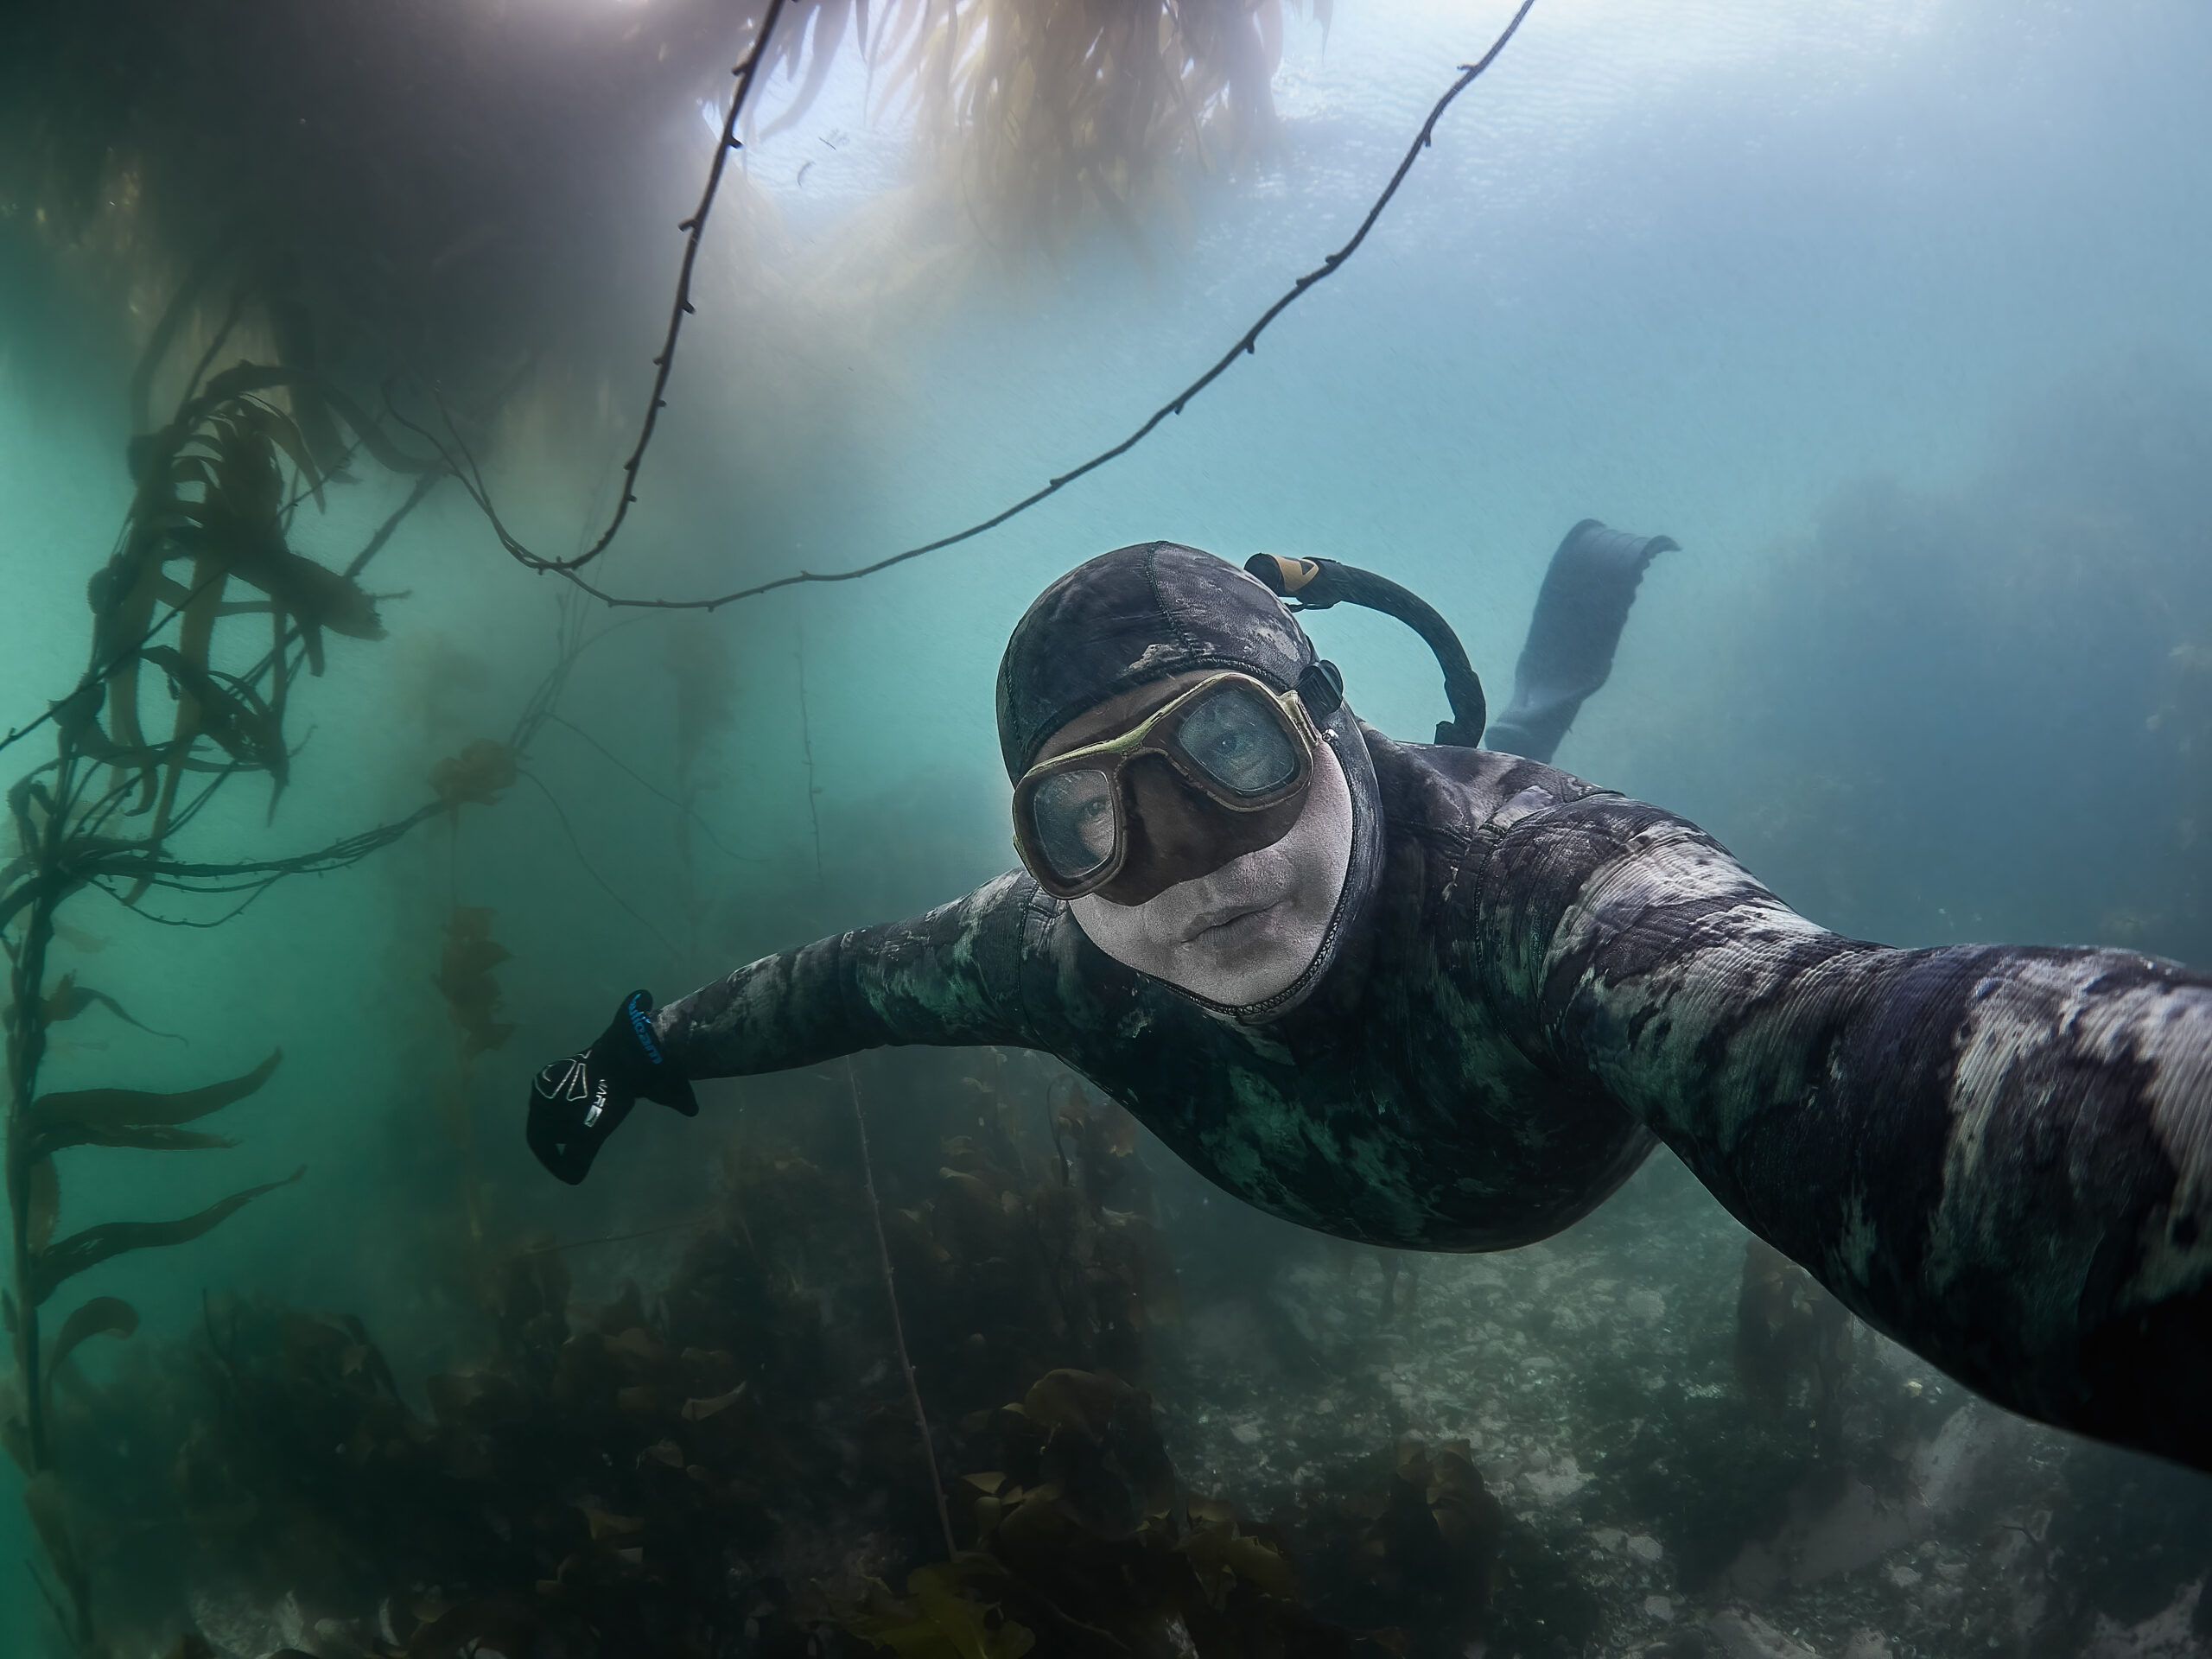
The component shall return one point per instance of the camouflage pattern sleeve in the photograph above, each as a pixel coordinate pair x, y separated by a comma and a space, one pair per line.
2001, 1157
950, 978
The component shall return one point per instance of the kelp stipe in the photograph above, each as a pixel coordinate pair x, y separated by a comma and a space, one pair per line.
472, 999
216, 491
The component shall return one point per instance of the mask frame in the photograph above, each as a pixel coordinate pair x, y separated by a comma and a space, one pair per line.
1141, 865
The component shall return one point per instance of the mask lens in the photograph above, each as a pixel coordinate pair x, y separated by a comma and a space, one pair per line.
1238, 741
1073, 814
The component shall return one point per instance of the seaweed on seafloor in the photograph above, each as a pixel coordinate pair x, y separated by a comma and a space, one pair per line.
1085, 1545
48, 1124
642, 1477
617, 1479
1411, 1538
1014, 1265
725, 1462
587, 1485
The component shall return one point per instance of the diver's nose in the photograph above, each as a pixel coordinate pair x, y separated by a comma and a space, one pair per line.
1170, 837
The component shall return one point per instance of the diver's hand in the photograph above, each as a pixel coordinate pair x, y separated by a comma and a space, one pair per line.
576, 1104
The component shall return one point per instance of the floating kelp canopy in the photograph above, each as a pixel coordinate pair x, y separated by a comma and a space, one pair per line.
448, 191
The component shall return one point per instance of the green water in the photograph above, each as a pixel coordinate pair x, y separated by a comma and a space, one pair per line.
1891, 315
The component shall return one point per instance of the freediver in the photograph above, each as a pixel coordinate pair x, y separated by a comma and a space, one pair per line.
1443, 997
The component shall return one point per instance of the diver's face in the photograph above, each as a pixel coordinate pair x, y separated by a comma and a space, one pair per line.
1248, 927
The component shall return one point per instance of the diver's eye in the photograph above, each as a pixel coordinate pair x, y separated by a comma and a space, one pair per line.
1228, 745
1073, 812
1238, 741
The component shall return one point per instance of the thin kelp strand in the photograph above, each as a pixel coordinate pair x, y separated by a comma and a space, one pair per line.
691, 812
576, 847
618, 1238
898, 1324
424, 485
472, 481
235, 911
695, 229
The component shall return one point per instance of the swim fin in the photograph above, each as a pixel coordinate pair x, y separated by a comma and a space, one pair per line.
1581, 611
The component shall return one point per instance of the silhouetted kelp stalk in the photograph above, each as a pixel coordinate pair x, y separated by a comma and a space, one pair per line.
216, 493
898, 1324
704, 677
472, 998
457, 454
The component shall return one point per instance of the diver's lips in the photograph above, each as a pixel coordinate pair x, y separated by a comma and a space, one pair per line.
1207, 927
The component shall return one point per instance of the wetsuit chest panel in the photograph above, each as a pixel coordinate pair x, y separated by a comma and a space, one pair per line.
1396, 1107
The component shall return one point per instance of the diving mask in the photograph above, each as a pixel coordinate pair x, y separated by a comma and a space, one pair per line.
1219, 770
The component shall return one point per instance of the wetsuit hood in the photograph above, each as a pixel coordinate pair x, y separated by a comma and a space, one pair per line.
1148, 611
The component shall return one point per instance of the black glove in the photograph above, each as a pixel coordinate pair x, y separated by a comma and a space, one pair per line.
577, 1102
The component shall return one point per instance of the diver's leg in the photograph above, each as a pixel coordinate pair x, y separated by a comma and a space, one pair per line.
1580, 612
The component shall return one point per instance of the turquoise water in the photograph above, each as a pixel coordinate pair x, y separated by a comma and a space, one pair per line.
1891, 315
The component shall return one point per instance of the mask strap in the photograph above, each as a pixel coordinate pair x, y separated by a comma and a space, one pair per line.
1316, 584
1321, 688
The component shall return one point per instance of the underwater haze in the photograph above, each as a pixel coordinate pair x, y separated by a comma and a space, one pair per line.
1892, 312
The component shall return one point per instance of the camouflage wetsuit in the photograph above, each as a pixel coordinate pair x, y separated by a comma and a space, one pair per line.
2001, 1157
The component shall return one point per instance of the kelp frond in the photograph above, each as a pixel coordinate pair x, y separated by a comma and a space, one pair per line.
1041, 114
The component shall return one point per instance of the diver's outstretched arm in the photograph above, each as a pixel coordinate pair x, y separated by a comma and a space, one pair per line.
2001, 1157
1581, 611
951, 977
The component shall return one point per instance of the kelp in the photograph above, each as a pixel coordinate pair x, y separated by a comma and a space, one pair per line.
68, 1000
215, 492
112, 1117
699, 662
455, 157
1042, 116
131, 1117
591, 1481
52, 1123
637, 1471
103, 1316
1086, 1545
723, 1460
1017, 1262
1410, 1539
465, 980
478, 775
82, 1251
